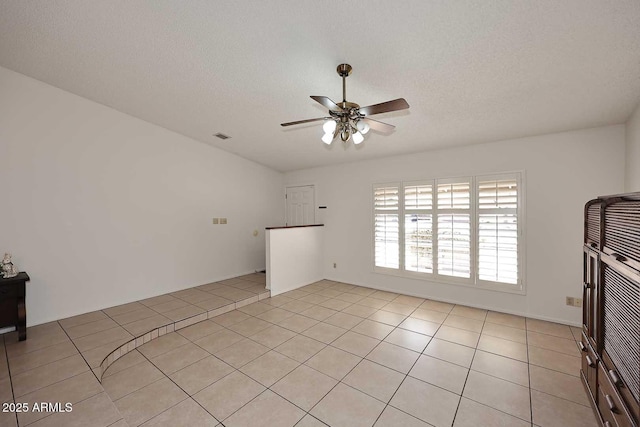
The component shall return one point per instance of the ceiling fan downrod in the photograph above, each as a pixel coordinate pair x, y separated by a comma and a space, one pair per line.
343, 71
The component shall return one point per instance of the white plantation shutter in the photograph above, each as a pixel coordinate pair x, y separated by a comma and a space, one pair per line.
418, 227
418, 197
454, 228
464, 231
498, 229
386, 205
454, 195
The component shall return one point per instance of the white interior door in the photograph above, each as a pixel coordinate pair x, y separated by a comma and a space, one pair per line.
300, 205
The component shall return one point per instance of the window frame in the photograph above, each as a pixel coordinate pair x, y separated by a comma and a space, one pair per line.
473, 281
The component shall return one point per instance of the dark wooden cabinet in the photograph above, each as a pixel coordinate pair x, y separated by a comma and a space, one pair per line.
13, 311
610, 344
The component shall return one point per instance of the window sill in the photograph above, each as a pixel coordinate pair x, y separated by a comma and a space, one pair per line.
449, 280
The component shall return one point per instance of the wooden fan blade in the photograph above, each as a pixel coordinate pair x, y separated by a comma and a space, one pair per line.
379, 126
385, 107
326, 102
304, 121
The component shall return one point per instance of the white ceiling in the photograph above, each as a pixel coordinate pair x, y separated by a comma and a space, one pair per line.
472, 71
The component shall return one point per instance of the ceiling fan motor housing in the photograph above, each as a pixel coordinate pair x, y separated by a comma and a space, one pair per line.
344, 70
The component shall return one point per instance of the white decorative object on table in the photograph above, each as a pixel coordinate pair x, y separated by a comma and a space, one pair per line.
8, 269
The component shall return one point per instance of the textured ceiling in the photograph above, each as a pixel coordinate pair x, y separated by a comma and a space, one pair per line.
472, 71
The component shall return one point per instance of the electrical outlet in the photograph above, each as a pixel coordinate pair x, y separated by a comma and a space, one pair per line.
216, 220
335, 265
223, 220
574, 302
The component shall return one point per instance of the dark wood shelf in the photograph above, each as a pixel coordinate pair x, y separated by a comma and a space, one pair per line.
13, 311
294, 226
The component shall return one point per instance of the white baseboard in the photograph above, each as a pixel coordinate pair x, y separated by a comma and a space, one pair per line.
452, 301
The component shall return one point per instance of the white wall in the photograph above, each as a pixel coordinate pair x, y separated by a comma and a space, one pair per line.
294, 258
632, 166
101, 208
558, 183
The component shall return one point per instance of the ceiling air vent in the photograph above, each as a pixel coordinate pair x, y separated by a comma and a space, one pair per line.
221, 136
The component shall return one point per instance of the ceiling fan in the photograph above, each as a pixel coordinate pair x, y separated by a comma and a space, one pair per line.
348, 119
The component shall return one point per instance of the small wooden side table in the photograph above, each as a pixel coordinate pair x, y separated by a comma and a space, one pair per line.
13, 311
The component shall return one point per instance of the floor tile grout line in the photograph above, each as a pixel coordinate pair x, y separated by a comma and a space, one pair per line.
528, 363
75, 403
163, 411
73, 340
80, 353
34, 350
407, 375
58, 382
189, 396
121, 419
555, 351
132, 366
561, 398
308, 414
496, 409
415, 362
80, 324
122, 325
464, 386
6, 355
526, 337
88, 323
50, 363
516, 342
484, 404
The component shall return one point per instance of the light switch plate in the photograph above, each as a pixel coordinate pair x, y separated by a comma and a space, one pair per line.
216, 220
223, 220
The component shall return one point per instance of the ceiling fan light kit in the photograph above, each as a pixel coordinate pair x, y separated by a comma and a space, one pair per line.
348, 119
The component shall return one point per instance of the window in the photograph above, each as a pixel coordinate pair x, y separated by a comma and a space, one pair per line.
498, 230
387, 227
454, 228
418, 228
462, 230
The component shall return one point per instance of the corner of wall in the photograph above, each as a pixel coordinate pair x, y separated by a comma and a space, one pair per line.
632, 153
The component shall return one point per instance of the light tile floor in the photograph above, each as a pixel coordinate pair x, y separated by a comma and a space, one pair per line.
326, 354
61, 361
